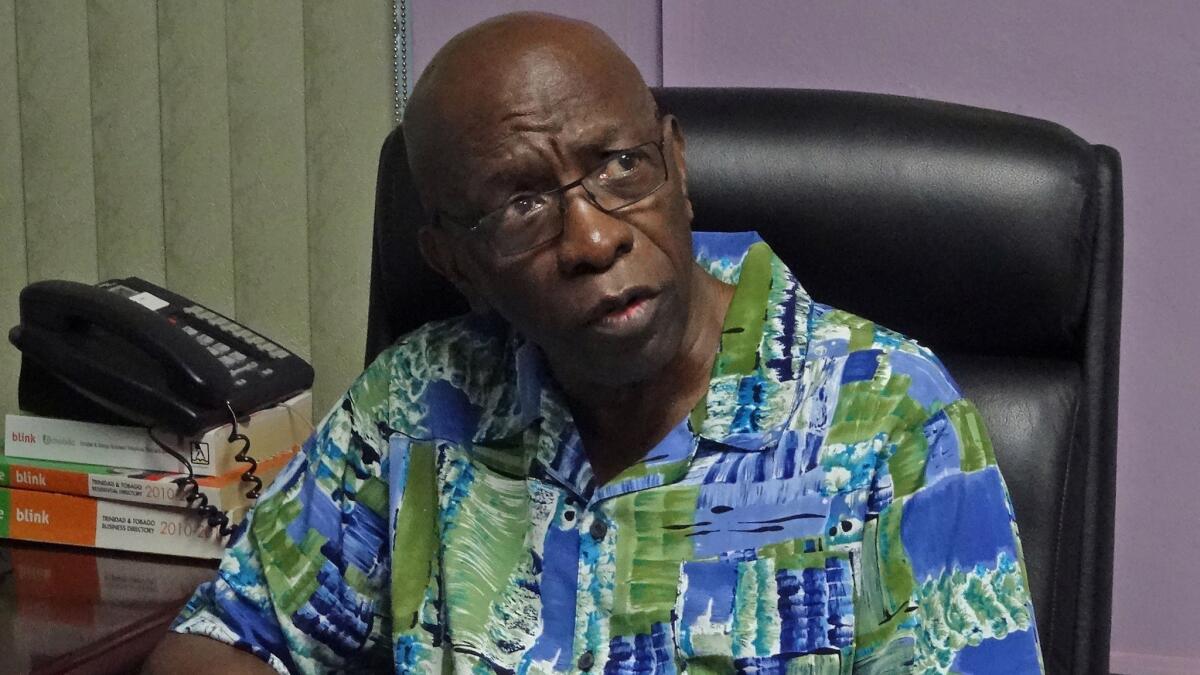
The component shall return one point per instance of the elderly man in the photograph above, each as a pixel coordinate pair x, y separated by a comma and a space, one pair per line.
643, 450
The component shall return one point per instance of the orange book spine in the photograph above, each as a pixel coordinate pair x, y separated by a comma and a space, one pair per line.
44, 478
30, 515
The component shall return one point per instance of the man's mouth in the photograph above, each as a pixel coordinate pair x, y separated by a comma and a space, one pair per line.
622, 310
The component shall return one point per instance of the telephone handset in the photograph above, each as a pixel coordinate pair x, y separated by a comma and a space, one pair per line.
140, 353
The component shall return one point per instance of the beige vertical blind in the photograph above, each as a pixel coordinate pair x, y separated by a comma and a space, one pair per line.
226, 150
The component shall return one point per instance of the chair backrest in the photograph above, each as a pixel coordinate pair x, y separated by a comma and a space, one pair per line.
992, 238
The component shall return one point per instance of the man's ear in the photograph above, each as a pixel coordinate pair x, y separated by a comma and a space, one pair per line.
678, 146
445, 256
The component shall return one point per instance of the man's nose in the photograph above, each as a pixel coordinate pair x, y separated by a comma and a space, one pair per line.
592, 240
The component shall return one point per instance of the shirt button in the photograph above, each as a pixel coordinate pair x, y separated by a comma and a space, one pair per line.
586, 660
598, 529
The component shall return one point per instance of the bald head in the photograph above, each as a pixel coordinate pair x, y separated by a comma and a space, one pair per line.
513, 73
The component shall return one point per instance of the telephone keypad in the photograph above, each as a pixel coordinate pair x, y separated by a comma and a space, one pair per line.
221, 325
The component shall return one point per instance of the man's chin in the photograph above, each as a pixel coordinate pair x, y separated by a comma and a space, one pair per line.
618, 363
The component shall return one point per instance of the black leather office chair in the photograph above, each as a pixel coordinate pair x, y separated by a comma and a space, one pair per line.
992, 238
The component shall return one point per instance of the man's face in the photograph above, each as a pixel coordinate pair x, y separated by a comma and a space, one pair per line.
608, 299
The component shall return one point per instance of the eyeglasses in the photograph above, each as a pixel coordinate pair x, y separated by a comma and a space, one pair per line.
528, 220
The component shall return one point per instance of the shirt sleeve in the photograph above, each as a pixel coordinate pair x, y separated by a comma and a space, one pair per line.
944, 586
303, 584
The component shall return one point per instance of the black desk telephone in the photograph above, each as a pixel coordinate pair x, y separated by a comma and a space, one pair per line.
127, 351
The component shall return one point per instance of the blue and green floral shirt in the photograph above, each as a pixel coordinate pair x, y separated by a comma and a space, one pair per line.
832, 505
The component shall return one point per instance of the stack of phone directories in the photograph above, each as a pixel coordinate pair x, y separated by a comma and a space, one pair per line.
114, 487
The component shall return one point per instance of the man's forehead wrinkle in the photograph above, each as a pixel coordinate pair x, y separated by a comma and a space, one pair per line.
502, 142
536, 122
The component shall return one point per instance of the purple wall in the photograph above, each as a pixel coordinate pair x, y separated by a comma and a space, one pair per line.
1123, 74
633, 24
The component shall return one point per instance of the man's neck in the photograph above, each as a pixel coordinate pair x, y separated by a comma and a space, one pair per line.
618, 424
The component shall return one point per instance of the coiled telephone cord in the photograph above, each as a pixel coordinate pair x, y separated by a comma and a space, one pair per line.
243, 455
214, 517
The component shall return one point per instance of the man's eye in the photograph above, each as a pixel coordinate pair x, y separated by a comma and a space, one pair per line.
622, 164
524, 205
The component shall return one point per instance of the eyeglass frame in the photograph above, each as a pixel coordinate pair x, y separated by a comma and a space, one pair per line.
559, 193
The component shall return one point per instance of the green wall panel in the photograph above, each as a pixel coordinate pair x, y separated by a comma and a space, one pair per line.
197, 202
265, 48
12, 207
348, 81
123, 54
56, 139
226, 149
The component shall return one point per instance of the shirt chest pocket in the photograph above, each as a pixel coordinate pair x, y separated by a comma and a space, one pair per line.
758, 613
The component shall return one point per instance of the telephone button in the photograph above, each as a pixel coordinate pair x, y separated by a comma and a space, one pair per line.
189, 330
204, 340
266, 372
240, 382
228, 361
192, 309
248, 366
237, 357
218, 349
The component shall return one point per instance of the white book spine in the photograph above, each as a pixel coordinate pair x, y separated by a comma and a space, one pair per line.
127, 527
154, 493
270, 431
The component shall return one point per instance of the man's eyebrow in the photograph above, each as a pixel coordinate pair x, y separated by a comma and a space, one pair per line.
608, 140
613, 137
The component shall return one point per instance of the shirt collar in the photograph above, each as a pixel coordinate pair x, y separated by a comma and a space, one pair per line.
764, 341
751, 395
